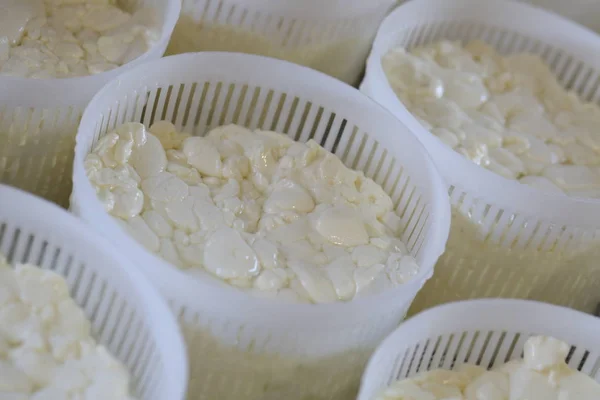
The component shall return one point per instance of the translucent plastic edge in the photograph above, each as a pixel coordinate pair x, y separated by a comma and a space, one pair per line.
23, 207
523, 316
320, 10
458, 171
518, 16
177, 285
77, 92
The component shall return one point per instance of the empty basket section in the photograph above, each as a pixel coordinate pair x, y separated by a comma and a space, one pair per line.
331, 36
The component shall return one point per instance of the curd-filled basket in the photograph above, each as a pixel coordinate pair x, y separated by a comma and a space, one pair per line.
249, 347
39, 117
507, 239
481, 332
332, 36
126, 313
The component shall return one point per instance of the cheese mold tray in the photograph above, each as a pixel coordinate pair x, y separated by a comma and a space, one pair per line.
127, 314
258, 348
507, 239
39, 117
487, 332
332, 36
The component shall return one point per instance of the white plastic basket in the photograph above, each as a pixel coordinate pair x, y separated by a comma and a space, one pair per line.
482, 332
264, 349
39, 118
332, 36
127, 314
584, 12
507, 239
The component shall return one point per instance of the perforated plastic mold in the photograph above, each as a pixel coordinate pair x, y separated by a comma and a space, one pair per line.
272, 350
332, 36
127, 315
507, 239
584, 12
39, 118
482, 332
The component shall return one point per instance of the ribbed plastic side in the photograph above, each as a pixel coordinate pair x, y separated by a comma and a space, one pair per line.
584, 12
331, 36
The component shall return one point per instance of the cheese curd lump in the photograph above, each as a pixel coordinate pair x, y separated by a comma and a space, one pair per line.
256, 209
507, 114
46, 350
541, 375
69, 38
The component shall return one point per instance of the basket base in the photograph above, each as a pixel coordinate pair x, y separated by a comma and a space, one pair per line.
337, 58
225, 372
475, 267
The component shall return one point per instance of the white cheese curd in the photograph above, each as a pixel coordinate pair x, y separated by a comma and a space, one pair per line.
542, 375
70, 38
507, 114
46, 349
255, 209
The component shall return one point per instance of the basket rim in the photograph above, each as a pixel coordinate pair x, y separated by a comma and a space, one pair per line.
175, 284
31, 209
77, 91
506, 310
466, 176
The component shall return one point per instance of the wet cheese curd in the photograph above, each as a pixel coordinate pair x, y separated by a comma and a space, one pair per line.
541, 375
46, 350
69, 38
508, 114
265, 214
